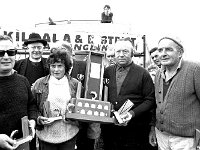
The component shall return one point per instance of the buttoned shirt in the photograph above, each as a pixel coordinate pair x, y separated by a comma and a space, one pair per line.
121, 73
167, 82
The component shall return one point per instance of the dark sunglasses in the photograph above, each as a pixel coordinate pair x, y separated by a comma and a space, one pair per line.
10, 52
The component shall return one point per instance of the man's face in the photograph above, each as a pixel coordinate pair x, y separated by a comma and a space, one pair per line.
106, 10
35, 50
155, 58
110, 55
123, 52
6, 62
168, 52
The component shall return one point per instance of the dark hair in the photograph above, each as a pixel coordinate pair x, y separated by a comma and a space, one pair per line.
58, 55
153, 50
106, 6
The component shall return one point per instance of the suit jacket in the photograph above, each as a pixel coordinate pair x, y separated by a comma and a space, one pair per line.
21, 66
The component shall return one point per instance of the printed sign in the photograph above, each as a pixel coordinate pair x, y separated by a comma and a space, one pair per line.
81, 40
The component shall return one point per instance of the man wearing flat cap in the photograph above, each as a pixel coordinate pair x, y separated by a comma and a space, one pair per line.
177, 91
34, 66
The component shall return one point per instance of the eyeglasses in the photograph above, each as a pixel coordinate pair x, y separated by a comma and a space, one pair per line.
36, 47
10, 52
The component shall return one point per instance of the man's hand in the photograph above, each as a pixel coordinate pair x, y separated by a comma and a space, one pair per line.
44, 120
6, 142
152, 137
126, 117
70, 107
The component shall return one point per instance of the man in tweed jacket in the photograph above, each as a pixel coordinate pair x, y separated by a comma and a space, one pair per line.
177, 91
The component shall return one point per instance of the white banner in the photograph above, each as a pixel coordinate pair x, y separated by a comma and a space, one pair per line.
81, 40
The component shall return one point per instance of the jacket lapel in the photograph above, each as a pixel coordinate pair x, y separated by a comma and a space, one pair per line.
24, 67
114, 80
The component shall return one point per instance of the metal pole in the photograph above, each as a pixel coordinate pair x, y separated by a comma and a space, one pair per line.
144, 50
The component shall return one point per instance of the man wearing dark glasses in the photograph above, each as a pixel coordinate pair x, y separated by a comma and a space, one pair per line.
34, 66
7, 55
16, 99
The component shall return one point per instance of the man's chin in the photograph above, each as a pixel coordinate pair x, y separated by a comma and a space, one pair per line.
6, 71
37, 58
166, 63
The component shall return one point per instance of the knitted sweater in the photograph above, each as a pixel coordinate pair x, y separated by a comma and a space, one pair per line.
16, 101
59, 131
179, 112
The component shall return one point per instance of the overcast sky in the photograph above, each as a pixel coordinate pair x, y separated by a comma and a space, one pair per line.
153, 18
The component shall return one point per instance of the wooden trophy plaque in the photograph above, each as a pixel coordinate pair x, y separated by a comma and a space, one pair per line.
91, 107
23, 143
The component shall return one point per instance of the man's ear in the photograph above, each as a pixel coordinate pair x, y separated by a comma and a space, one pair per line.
132, 54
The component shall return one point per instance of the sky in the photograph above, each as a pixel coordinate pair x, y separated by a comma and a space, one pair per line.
153, 18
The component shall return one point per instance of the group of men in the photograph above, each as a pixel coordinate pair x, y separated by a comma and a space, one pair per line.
165, 112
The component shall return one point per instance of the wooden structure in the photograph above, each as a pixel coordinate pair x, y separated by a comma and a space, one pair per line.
23, 143
91, 107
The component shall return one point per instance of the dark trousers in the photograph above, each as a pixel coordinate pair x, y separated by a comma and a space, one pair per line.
68, 145
122, 144
83, 142
123, 138
32, 144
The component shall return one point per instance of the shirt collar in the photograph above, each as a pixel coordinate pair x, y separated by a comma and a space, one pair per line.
123, 67
33, 60
163, 69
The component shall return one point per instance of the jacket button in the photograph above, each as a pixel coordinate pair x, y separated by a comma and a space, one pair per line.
161, 112
161, 122
116, 103
159, 91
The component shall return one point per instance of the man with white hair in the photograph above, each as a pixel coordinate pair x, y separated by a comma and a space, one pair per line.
177, 91
128, 81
